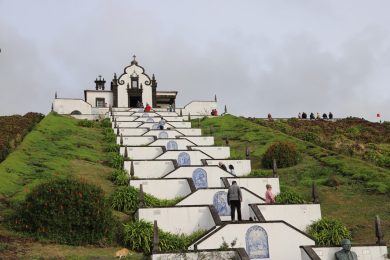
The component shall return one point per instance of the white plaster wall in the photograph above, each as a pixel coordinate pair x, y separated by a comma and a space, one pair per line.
216, 152
179, 220
214, 255
141, 153
181, 143
214, 174
166, 113
257, 185
121, 113
298, 215
196, 156
190, 131
179, 124
148, 125
171, 133
127, 124
205, 196
164, 188
280, 236
91, 97
156, 119
133, 131
120, 119
122, 88
200, 140
373, 252
118, 109
241, 167
146, 114
135, 140
100, 111
199, 108
150, 169
67, 106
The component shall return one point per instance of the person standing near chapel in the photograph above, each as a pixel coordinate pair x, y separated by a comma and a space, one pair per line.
269, 196
234, 198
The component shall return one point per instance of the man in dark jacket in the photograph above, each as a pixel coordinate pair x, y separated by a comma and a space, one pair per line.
234, 198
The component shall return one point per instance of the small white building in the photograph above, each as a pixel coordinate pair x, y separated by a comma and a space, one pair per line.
134, 88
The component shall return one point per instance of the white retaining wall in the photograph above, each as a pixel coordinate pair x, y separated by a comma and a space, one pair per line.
135, 140
373, 252
196, 156
150, 169
179, 220
190, 131
179, 124
206, 196
181, 143
171, 133
214, 174
173, 188
129, 124
241, 167
257, 185
200, 140
67, 106
141, 152
216, 152
132, 131
298, 215
283, 241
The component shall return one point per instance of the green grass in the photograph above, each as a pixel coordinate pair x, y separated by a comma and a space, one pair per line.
363, 189
56, 147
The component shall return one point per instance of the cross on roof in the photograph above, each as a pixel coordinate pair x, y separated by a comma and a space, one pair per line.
134, 57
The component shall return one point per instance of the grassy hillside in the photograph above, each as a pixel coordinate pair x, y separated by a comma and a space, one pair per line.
351, 189
57, 147
351, 136
13, 129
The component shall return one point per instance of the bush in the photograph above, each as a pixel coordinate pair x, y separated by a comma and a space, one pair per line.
138, 235
105, 123
109, 135
126, 199
115, 160
86, 123
66, 211
112, 148
285, 153
328, 232
120, 177
289, 197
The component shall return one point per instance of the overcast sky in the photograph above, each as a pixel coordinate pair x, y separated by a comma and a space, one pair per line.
258, 56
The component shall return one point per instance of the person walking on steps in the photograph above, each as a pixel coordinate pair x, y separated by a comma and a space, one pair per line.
234, 198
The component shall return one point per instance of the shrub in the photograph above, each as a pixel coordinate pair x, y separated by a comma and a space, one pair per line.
66, 211
285, 153
120, 177
138, 235
111, 148
115, 160
126, 199
332, 181
109, 135
289, 197
105, 123
86, 123
328, 232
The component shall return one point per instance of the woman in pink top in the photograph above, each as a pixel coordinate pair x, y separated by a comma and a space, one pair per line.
269, 196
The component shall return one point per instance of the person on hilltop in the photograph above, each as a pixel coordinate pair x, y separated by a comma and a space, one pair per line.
299, 115
304, 115
330, 116
148, 108
318, 116
312, 116
269, 196
269, 117
234, 198
324, 116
